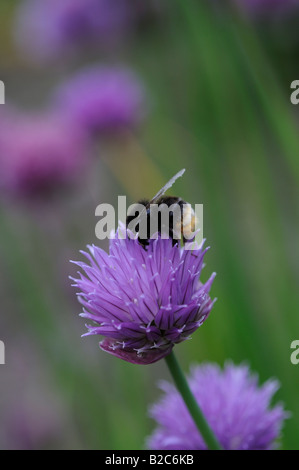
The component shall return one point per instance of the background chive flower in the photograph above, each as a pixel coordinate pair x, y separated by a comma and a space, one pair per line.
39, 154
26, 429
267, 7
143, 301
103, 99
236, 408
49, 29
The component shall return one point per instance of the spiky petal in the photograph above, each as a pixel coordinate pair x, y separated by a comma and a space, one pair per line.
143, 301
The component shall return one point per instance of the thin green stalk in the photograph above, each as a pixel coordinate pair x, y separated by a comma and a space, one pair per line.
192, 405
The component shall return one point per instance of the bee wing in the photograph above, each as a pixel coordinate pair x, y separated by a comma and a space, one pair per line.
161, 192
166, 187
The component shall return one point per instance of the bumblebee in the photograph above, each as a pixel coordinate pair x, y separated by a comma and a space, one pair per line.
169, 215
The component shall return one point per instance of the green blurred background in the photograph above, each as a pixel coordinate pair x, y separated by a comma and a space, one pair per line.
219, 91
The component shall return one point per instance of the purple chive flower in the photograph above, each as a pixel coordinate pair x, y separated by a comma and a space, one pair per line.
236, 408
32, 429
39, 154
49, 29
103, 99
267, 7
143, 301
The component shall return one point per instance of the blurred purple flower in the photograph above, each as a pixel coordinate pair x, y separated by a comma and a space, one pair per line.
34, 415
103, 99
267, 7
32, 429
47, 29
237, 409
39, 154
143, 300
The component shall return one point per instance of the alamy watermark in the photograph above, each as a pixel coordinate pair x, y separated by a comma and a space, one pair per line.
294, 358
2, 353
178, 221
295, 94
2, 92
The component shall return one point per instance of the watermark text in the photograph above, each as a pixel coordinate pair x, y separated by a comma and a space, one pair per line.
2, 353
2, 92
295, 94
179, 221
295, 354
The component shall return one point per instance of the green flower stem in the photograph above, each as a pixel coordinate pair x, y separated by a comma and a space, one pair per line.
192, 405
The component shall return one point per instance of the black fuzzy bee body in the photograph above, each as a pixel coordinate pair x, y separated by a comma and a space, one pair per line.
174, 216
